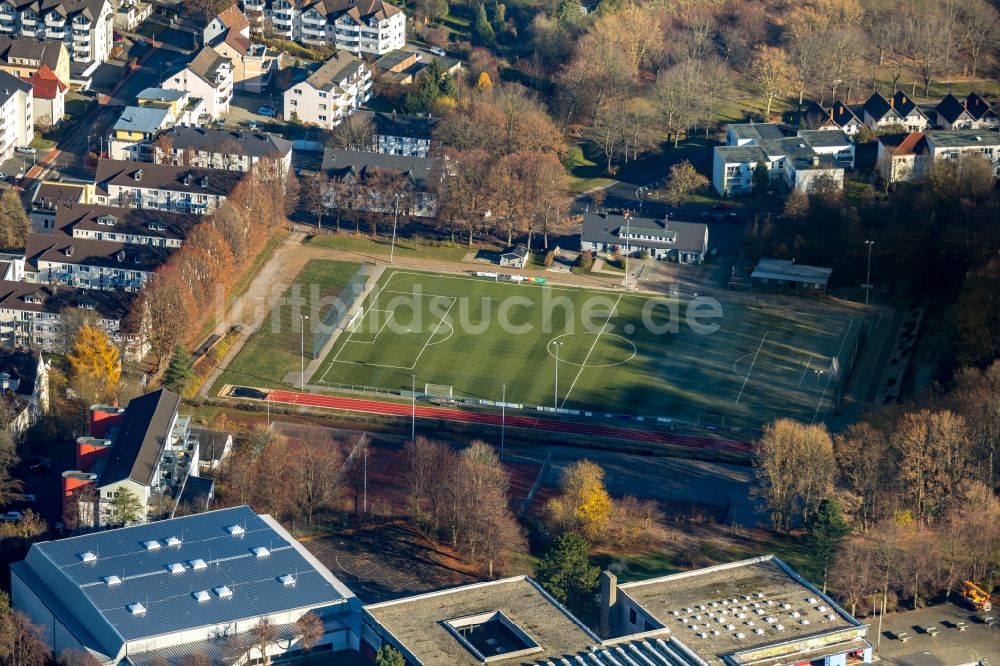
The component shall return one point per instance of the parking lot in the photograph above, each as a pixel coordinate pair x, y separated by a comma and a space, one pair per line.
934, 639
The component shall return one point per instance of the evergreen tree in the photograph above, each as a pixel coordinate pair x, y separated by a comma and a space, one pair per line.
825, 531
427, 89
179, 372
389, 656
567, 574
761, 179
485, 34
126, 507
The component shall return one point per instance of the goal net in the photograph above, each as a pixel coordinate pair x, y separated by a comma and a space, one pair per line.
354, 323
442, 391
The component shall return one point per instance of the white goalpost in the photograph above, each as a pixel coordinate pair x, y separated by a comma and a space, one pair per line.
442, 391
355, 321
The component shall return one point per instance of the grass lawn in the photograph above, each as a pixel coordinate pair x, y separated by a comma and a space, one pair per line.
645, 564
42, 145
381, 246
273, 351
620, 353
584, 173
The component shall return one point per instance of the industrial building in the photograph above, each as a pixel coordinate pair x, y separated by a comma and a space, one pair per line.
188, 586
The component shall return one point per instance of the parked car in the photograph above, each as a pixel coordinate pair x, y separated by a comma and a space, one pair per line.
438, 51
28, 498
265, 111
3, 176
12, 516
252, 124
141, 42
732, 217
25, 150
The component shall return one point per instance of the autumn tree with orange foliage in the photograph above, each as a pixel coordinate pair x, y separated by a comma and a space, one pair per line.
94, 362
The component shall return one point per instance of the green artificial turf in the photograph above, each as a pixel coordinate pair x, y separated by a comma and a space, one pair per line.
422, 328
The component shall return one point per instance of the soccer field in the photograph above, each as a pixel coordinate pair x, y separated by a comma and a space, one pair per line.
603, 352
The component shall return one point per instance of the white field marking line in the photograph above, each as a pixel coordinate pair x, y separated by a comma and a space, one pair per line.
434, 332
337, 355
829, 378
451, 330
804, 371
377, 333
735, 371
583, 366
752, 363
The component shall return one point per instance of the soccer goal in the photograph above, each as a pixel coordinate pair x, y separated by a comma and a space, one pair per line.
354, 323
440, 391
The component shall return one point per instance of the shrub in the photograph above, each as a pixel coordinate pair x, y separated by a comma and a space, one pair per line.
644, 255
586, 260
550, 257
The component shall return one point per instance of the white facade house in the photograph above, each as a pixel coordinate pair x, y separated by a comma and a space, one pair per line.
946, 146
669, 240
899, 110
973, 112
232, 150
230, 19
17, 122
837, 117
801, 161
166, 591
398, 134
164, 187
85, 26
32, 315
85, 263
209, 76
331, 93
365, 27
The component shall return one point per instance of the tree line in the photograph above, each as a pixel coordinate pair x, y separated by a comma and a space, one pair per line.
904, 503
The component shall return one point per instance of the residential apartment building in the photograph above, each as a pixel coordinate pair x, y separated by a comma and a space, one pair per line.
84, 26
17, 115
943, 145
902, 157
137, 124
331, 93
131, 13
414, 179
23, 56
86, 263
132, 226
801, 162
209, 76
166, 187
47, 196
32, 316
183, 589
145, 448
399, 134
363, 27
182, 107
234, 150
880, 113
48, 97
253, 64
229, 20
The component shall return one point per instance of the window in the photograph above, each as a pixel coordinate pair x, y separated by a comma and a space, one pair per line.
631, 616
322, 95
322, 117
322, 107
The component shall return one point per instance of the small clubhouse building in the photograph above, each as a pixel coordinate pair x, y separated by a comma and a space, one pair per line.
683, 242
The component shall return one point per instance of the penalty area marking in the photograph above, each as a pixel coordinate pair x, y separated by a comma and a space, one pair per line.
548, 348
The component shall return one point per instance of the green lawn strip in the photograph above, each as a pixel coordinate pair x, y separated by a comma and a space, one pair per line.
380, 246
640, 565
273, 351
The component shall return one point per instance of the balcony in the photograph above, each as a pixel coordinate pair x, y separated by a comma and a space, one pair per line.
55, 21
55, 33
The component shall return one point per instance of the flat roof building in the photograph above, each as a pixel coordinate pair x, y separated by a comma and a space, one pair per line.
756, 611
170, 589
786, 275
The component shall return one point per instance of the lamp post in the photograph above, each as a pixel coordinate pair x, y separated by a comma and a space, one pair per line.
503, 420
555, 392
628, 223
395, 217
302, 351
413, 407
868, 279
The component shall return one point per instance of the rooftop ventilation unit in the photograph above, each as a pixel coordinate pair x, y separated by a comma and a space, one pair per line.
779, 627
740, 634
287, 580
758, 631
803, 621
236, 530
151, 545
701, 607
198, 564
811, 600
173, 542
112, 580
223, 592
831, 617
175, 568
201, 596
260, 551
794, 614
730, 627
821, 609
702, 634
87, 557
137, 609
786, 605
674, 613
759, 595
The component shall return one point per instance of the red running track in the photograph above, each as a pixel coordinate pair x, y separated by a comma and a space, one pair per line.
513, 420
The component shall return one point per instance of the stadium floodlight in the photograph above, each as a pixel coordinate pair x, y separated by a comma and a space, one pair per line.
555, 392
302, 352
